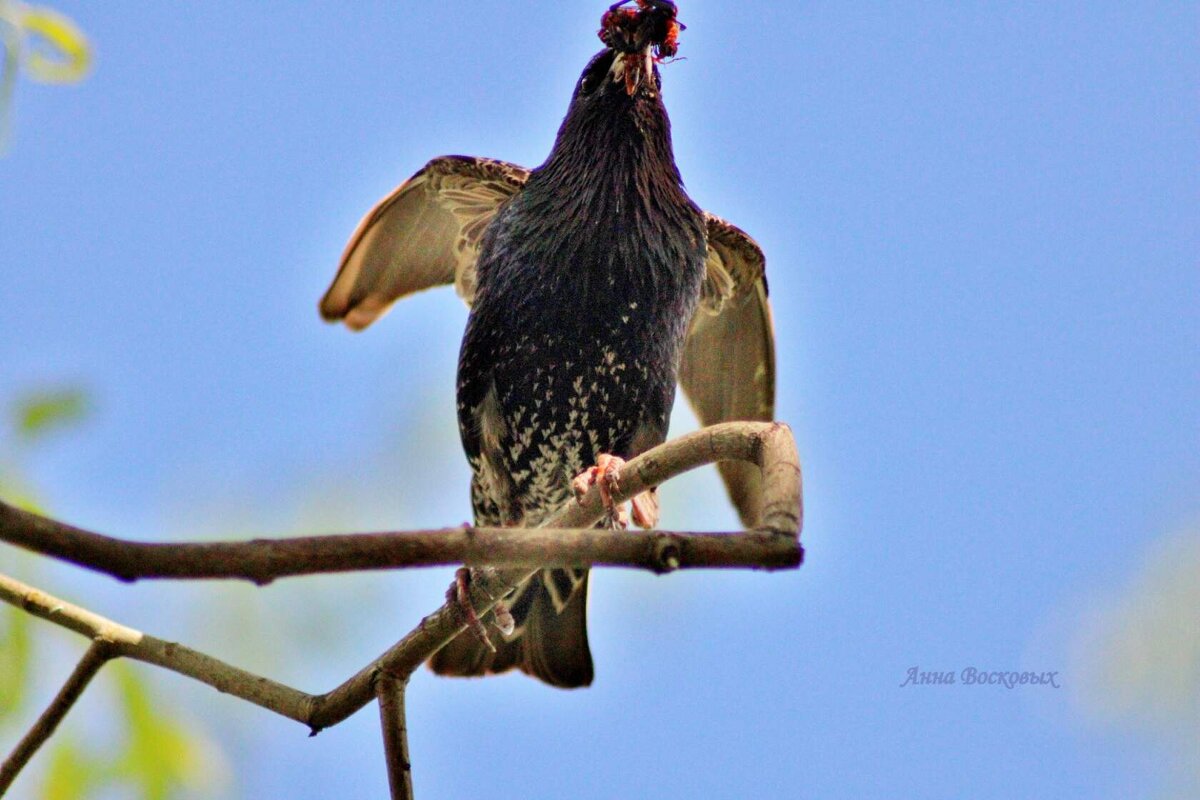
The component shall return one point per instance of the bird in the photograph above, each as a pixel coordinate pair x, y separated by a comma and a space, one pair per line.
595, 286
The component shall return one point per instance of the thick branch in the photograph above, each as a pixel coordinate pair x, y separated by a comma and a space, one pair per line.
96, 657
773, 545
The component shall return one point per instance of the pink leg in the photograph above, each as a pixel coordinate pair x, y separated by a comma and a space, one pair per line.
606, 474
459, 593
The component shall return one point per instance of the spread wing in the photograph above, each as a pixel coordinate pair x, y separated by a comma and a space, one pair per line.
728, 367
425, 233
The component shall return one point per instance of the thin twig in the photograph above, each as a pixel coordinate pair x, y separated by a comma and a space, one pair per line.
96, 657
130, 643
263, 560
390, 691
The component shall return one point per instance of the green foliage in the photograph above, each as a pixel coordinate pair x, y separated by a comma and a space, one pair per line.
31, 418
15, 659
42, 413
72, 773
160, 756
16, 493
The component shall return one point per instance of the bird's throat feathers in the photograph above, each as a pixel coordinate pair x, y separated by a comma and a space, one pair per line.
606, 217
613, 144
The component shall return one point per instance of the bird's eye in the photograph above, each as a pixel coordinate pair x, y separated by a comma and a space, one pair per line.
595, 72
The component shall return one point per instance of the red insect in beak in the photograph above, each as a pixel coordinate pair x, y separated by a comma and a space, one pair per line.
643, 36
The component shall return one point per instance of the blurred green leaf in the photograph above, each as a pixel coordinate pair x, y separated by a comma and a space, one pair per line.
160, 756
41, 413
15, 657
70, 772
14, 492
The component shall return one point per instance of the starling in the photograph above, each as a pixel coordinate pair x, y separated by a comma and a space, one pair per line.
595, 285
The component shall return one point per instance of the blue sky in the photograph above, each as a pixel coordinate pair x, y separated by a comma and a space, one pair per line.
981, 229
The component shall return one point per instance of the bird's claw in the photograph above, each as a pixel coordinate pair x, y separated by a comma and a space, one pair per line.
503, 618
606, 475
459, 594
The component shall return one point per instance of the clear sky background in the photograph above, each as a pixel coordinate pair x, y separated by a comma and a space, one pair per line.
982, 225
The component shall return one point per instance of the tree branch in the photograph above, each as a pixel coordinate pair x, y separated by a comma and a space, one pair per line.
769, 445
390, 691
96, 657
124, 641
507, 558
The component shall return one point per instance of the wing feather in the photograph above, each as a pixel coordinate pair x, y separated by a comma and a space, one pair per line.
426, 233
735, 264
728, 367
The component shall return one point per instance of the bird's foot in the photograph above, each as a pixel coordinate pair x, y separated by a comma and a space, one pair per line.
459, 595
606, 475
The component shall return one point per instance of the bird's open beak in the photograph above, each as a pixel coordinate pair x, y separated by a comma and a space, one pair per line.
638, 67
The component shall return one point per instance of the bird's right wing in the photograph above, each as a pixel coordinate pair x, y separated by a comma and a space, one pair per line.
425, 233
728, 367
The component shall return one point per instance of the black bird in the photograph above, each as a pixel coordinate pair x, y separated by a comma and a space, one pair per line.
595, 284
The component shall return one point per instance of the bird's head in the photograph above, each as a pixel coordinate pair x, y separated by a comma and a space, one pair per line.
616, 120
636, 39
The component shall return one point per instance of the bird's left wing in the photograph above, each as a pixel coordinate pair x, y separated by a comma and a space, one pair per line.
426, 233
728, 367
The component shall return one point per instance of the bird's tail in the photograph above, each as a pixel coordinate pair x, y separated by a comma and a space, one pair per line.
548, 644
